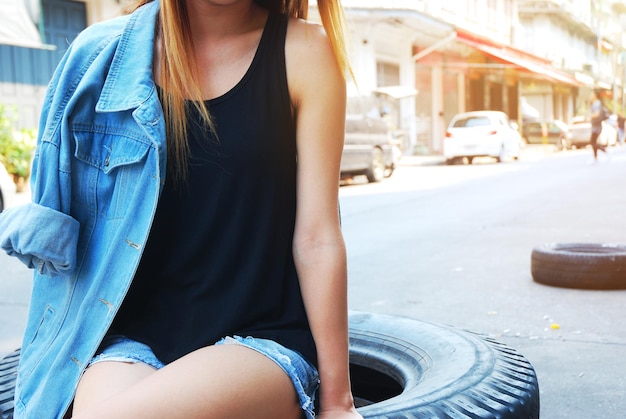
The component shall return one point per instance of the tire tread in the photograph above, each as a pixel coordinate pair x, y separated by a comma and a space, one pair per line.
500, 384
580, 265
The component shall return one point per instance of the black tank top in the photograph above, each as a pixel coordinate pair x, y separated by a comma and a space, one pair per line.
219, 257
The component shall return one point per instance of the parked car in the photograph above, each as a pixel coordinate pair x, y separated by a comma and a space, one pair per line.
481, 134
369, 149
553, 132
580, 130
7, 188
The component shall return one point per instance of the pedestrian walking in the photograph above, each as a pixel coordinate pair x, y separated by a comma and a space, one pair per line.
620, 128
184, 229
598, 113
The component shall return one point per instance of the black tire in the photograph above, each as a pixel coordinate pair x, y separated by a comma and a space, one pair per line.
389, 170
405, 368
500, 157
580, 265
8, 374
376, 171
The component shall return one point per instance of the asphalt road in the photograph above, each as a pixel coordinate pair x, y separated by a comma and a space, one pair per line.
451, 244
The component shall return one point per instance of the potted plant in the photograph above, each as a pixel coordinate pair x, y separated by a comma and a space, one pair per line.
16, 149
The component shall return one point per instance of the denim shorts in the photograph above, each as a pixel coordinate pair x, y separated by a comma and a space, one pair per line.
303, 375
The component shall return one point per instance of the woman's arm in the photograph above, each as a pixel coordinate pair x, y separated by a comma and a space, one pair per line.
318, 93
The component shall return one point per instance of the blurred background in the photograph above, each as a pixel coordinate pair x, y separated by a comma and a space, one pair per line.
424, 61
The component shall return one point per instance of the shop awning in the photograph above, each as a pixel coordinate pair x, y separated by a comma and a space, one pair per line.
396, 92
519, 59
16, 25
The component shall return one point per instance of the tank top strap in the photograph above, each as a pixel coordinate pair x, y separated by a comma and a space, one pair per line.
273, 39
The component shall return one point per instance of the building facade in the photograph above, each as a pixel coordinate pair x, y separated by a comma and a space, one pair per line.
33, 38
584, 37
530, 59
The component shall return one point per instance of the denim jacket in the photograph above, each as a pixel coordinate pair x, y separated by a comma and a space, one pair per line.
98, 170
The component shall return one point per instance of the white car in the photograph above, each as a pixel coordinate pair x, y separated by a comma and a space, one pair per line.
369, 149
7, 189
580, 130
481, 134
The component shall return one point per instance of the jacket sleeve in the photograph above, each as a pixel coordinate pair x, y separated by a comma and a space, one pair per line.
42, 234
42, 238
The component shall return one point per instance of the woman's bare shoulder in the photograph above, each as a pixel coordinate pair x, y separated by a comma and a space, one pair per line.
301, 30
310, 55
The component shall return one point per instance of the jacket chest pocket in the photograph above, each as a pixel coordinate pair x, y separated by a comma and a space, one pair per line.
108, 171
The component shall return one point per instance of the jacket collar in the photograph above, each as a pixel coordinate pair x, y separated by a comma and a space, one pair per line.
129, 81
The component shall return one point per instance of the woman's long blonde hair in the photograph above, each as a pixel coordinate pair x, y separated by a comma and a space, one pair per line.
178, 76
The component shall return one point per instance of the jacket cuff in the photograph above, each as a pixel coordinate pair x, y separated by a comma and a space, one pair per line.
42, 238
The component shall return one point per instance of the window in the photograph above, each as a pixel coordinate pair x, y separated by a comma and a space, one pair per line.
387, 74
475, 121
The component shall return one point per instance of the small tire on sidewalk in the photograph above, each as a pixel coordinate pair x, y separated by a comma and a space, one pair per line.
599, 266
405, 368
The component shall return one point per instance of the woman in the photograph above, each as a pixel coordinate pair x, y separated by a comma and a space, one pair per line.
184, 226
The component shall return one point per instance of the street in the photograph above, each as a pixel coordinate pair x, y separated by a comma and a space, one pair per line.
452, 244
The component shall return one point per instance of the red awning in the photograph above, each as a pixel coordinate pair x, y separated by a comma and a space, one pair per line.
520, 59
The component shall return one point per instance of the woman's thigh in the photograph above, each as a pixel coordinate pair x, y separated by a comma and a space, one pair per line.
106, 379
224, 381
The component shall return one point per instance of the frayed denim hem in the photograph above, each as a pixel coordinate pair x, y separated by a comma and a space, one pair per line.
303, 375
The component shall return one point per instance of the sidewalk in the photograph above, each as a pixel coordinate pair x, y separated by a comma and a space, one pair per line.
422, 160
532, 152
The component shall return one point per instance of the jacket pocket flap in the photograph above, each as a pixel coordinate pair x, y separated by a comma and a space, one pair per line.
107, 149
